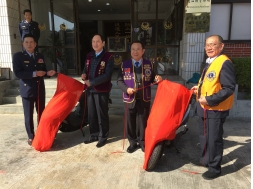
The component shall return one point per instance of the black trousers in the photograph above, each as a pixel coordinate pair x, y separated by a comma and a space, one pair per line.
137, 135
211, 142
28, 106
83, 107
98, 115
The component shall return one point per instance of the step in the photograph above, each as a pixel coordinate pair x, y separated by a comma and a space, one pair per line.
11, 108
18, 109
2, 78
16, 91
116, 108
12, 99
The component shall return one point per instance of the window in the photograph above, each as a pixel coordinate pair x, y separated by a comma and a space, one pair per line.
231, 21
240, 27
219, 20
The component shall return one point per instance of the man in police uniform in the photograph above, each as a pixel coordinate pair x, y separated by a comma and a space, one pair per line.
136, 73
29, 67
97, 75
215, 95
28, 26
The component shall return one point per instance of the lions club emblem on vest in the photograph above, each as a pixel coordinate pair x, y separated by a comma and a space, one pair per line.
211, 75
102, 65
147, 72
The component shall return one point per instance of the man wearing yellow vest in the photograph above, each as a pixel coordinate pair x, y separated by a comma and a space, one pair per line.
215, 95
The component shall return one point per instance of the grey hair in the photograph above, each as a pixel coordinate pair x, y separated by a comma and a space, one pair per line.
218, 36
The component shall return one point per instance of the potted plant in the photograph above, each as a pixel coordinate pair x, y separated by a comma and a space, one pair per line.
57, 54
164, 59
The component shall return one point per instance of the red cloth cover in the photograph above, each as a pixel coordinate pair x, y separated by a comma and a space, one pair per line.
167, 112
64, 100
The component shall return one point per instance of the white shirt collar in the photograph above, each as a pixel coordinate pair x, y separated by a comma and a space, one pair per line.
210, 60
140, 61
97, 54
30, 54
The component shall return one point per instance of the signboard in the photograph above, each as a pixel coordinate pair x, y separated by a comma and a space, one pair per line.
197, 22
118, 29
197, 6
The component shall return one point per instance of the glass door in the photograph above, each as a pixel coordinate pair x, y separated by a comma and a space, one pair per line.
56, 20
154, 23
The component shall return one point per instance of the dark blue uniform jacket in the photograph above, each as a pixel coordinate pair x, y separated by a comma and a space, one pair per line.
24, 66
29, 28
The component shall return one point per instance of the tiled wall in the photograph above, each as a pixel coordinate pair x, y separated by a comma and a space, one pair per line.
9, 37
191, 54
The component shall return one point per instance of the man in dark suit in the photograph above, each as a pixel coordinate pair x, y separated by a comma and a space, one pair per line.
215, 95
28, 26
136, 73
29, 67
97, 75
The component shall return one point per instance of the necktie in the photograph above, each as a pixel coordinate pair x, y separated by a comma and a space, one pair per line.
202, 78
136, 64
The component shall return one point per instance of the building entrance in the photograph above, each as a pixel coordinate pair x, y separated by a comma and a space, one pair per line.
67, 27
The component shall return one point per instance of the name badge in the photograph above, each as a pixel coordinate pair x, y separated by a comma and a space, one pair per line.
26, 62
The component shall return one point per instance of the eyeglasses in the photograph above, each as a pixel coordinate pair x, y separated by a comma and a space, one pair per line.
212, 45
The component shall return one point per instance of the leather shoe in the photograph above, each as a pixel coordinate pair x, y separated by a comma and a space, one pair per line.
91, 139
197, 163
133, 148
30, 141
208, 175
101, 143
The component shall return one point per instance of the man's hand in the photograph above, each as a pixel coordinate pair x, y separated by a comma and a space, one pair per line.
83, 77
51, 72
40, 73
195, 89
202, 100
87, 82
158, 78
131, 91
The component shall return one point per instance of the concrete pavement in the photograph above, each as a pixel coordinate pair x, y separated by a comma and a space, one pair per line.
72, 164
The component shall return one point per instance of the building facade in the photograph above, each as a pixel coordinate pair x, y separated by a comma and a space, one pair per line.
174, 40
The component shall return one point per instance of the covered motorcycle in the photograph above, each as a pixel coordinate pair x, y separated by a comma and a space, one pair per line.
167, 112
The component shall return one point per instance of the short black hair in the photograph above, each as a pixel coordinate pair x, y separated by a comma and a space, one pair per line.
27, 10
218, 36
101, 36
28, 35
138, 41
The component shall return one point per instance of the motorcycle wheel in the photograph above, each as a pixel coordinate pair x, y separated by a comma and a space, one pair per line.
155, 156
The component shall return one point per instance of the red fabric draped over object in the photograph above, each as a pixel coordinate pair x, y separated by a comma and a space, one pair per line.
170, 103
64, 100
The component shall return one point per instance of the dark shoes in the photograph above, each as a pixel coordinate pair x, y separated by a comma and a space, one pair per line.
94, 139
30, 141
133, 148
100, 144
197, 163
91, 139
210, 175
